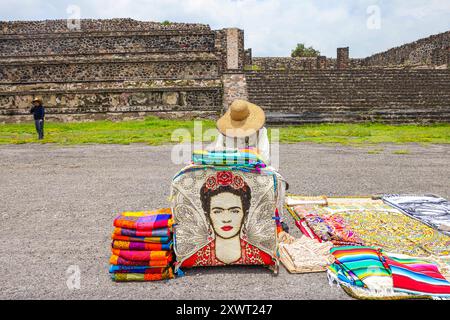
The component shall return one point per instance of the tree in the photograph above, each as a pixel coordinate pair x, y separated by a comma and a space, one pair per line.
302, 51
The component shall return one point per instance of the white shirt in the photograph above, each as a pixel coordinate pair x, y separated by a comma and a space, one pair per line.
258, 140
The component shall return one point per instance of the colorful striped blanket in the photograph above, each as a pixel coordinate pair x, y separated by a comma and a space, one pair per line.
142, 255
130, 245
162, 232
126, 277
390, 274
418, 277
145, 221
136, 269
142, 239
241, 157
361, 266
116, 260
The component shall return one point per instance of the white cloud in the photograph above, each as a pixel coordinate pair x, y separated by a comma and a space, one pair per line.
272, 27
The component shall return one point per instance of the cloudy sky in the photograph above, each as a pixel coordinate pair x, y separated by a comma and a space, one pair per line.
272, 27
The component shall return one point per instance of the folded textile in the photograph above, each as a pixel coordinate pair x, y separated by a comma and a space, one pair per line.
142, 239
145, 221
130, 245
416, 276
431, 210
116, 260
162, 232
136, 269
124, 277
241, 157
142, 255
304, 255
362, 266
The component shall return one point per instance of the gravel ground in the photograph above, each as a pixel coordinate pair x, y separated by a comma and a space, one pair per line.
58, 204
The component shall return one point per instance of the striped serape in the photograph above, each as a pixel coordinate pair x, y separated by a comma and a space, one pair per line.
142, 239
418, 277
127, 277
145, 221
136, 255
130, 245
162, 232
361, 266
136, 269
241, 157
116, 260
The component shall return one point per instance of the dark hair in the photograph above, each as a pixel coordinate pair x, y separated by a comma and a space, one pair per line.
206, 195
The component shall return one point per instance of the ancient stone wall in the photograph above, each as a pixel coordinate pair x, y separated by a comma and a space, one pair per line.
234, 87
122, 68
419, 52
110, 100
94, 25
113, 68
283, 63
352, 95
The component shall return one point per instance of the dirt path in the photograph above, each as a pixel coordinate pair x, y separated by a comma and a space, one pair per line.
58, 203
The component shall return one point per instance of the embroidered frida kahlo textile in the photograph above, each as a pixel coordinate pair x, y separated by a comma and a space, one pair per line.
431, 210
225, 216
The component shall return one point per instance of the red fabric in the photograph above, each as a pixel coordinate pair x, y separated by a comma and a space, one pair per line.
250, 255
409, 284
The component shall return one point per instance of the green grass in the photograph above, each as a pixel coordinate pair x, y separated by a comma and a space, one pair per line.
370, 133
401, 152
151, 131
156, 131
375, 151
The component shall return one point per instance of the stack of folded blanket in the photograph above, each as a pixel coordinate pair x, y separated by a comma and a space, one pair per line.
249, 158
142, 246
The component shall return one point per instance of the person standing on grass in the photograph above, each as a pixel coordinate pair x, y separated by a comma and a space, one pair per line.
38, 112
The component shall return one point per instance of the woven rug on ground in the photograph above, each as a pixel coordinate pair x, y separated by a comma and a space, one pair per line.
226, 216
304, 255
431, 210
373, 224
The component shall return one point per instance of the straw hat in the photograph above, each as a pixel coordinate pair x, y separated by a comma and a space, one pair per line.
241, 120
37, 100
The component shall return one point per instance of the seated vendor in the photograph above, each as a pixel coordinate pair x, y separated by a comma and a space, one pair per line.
242, 126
